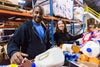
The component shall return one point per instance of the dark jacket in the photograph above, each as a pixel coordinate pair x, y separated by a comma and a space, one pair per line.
27, 40
61, 38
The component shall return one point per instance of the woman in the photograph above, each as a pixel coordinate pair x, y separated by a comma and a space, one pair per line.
62, 36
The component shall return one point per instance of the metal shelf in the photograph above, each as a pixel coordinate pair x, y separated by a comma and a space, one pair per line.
9, 13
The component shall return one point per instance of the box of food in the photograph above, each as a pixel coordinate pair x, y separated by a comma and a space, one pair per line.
88, 64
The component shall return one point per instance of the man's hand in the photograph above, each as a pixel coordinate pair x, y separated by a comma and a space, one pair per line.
18, 57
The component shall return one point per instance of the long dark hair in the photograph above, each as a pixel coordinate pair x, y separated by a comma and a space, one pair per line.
58, 30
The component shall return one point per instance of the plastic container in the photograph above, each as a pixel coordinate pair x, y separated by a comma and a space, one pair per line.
33, 64
53, 57
71, 48
91, 49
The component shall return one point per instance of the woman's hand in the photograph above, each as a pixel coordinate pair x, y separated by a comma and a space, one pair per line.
18, 57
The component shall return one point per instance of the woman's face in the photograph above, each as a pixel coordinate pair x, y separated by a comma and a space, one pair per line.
61, 25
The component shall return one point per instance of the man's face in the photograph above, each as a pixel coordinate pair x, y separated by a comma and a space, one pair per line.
37, 14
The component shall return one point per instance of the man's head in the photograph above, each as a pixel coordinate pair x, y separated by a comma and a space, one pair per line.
37, 14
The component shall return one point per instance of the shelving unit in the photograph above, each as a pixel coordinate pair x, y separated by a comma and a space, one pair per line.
8, 13
8, 21
11, 16
52, 18
55, 18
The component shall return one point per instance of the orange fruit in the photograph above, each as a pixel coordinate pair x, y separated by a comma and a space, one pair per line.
94, 60
83, 57
75, 49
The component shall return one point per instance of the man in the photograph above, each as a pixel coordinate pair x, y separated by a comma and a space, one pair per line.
30, 39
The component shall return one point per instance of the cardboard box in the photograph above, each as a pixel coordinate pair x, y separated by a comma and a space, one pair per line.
88, 64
